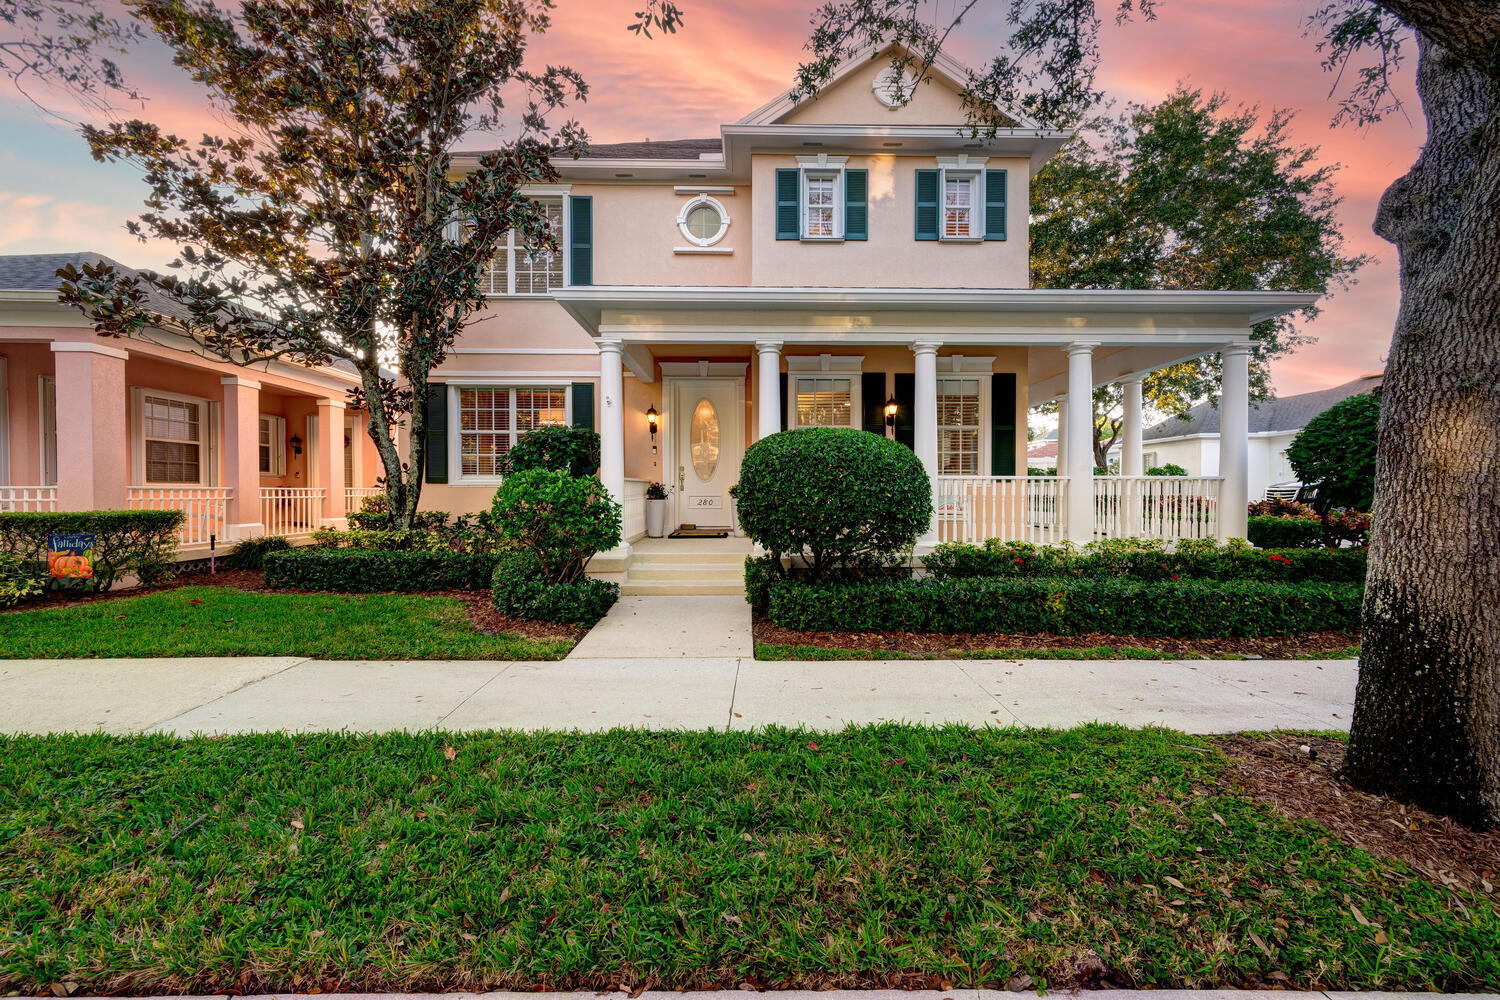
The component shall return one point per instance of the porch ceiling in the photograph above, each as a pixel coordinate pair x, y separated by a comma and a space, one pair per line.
655, 315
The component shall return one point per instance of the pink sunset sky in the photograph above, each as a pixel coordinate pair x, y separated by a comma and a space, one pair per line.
731, 57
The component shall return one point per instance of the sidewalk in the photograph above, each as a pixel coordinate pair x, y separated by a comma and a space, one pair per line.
225, 695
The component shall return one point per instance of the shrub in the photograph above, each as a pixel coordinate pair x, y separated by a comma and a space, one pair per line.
1139, 559
382, 539
1177, 608
760, 573
369, 571
1167, 469
845, 499
139, 542
251, 553
574, 450
374, 515
520, 590
1285, 532
19, 581
1335, 454
560, 519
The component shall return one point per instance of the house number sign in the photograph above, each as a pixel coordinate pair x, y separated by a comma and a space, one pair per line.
705, 503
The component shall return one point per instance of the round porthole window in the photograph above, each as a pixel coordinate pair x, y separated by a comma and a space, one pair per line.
703, 221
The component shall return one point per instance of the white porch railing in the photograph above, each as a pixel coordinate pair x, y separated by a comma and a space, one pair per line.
31, 499
635, 509
354, 496
1166, 507
205, 508
290, 510
1012, 508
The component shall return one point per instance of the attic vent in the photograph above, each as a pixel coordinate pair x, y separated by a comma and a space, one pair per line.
812, 144
624, 175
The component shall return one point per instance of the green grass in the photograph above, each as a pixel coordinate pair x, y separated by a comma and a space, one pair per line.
1347, 653
223, 621
775, 651
891, 855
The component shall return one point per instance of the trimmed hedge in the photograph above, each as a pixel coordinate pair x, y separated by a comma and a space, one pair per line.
520, 590
369, 571
251, 553
1285, 533
1188, 609
1191, 560
139, 542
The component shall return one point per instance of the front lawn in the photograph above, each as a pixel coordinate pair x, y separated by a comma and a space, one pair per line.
880, 856
226, 621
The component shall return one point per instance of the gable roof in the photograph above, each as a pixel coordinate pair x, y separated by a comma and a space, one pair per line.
1287, 413
662, 149
944, 68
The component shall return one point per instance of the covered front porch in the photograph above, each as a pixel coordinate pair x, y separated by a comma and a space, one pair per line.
690, 377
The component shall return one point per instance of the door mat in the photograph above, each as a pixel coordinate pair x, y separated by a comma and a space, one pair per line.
688, 531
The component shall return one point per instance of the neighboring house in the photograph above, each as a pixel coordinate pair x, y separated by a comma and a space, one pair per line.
1193, 442
1042, 453
93, 423
802, 268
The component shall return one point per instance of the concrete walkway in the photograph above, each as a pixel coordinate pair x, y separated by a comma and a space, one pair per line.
263, 694
670, 627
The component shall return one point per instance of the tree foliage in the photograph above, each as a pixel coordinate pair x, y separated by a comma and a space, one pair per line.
1335, 454
1190, 193
66, 42
333, 221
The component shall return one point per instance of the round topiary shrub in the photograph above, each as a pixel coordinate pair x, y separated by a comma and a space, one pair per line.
844, 499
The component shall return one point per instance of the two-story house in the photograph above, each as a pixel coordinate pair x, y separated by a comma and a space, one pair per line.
853, 260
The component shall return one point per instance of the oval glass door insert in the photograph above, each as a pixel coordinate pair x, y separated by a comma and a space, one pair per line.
705, 439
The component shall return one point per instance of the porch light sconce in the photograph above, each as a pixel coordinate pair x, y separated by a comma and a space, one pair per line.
652, 417
890, 412
296, 444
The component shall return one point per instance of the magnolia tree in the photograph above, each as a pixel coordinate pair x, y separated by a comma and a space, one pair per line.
1426, 724
328, 222
1189, 193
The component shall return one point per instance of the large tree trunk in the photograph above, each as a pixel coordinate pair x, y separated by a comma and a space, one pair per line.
1426, 725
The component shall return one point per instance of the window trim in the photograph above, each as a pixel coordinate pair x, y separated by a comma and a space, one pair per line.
824, 366
986, 421
963, 166
559, 193
821, 167
207, 434
698, 201
277, 444
46, 411
456, 475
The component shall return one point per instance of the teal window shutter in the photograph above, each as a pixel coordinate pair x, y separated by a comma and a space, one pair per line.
1003, 424
581, 241
927, 204
583, 404
788, 214
856, 204
435, 412
906, 404
994, 206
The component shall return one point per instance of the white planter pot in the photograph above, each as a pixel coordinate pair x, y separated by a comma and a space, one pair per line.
656, 518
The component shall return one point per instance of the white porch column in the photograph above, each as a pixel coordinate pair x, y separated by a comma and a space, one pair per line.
241, 410
1062, 436
924, 421
769, 402
1130, 446
1234, 442
1080, 451
93, 454
612, 436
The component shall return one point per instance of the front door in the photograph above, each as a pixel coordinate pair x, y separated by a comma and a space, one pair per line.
708, 439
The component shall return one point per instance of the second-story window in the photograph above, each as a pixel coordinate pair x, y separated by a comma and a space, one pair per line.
820, 205
958, 206
520, 270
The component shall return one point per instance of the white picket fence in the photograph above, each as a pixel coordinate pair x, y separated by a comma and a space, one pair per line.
1170, 508
205, 508
30, 499
1013, 508
290, 510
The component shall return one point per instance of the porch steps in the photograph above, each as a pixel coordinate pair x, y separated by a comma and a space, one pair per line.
669, 573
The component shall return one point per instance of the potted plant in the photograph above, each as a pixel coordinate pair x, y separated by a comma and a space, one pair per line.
734, 510
656, 510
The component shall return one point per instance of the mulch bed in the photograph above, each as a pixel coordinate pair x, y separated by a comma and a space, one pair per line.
1282, 773
1269, 647
477, 604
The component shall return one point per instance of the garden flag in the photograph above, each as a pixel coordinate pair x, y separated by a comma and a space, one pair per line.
70, 556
